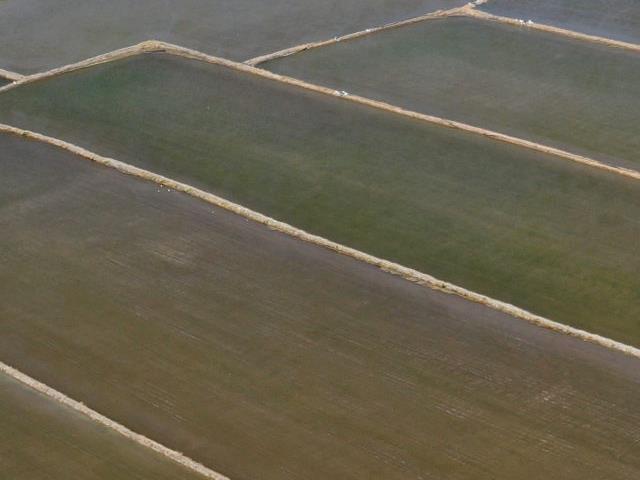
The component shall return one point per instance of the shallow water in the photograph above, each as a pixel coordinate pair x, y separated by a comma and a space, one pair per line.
573, 95
542, 233
266, 357
43, 440
617, 19
71, 30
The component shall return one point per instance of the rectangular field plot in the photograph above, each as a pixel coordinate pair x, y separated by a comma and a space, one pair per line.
41, 439
72, 30
617, 19
542, 233
573, 95
265, 357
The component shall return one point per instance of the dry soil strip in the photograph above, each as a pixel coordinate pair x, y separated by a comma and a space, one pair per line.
385, 265
107, 422
158, 46
479, 14
10, 75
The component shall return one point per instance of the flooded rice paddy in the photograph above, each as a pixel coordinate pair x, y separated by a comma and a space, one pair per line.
617, 19
583, 98
41, 440
71, 30
537, 231
266, 357
149, 327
